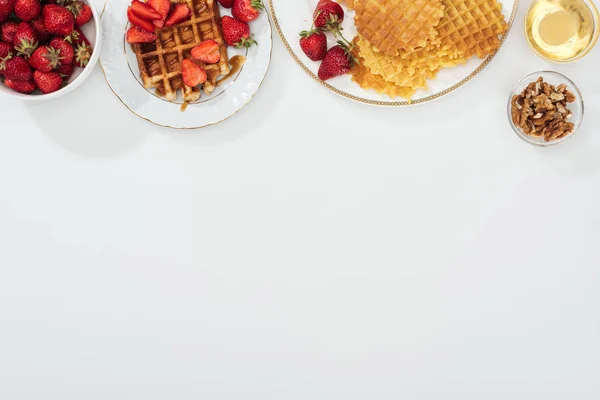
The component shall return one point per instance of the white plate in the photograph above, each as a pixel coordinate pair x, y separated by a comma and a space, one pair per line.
122, 74
292, 17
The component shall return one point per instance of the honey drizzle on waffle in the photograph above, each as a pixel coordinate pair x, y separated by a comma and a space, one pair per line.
160, 62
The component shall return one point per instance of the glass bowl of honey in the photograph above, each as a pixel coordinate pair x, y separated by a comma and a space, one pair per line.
562, 31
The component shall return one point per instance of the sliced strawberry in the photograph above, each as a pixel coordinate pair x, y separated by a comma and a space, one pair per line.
138, 35
193, 74
207, 52
180, 13
142, 23
144, 11
159, 23
161, 6
226, 3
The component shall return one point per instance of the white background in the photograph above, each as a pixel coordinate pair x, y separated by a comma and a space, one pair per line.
308, 248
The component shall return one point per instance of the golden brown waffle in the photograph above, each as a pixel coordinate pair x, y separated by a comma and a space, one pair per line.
367, 80
160, 62
410, 69
393, 25
348, 3
472, 27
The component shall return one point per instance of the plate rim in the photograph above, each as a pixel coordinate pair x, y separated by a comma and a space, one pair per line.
192, 127
381, 103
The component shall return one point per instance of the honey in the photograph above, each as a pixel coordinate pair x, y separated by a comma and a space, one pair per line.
561, 30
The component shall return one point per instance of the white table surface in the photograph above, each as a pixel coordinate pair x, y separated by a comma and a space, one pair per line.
308, 248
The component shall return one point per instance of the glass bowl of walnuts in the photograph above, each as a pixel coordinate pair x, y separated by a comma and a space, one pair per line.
545, 108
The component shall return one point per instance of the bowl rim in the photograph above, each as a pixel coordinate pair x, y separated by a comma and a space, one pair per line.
528, 78
87, 71
596, 20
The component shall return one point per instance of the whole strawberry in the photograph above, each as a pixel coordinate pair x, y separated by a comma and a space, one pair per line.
7, 31
236, 33
45, 59
328, 15
16, 69
6, 50
81, 11
58, 20
25, 39
40, 30
6, 8
83, 53
247, 10
314, 44
47, 82
77, 37
67, 53
25, 87
65, 71
337, 61
226, 3
28, 10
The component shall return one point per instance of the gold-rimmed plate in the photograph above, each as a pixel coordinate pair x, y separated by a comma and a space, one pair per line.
292, 17
121, 71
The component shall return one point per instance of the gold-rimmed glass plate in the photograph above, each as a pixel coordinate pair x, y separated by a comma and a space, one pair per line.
292, 17
121, 71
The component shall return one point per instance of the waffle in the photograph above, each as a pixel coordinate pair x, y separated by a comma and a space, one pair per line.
160, 62
472, 27
363, 76
393, 25
409, 68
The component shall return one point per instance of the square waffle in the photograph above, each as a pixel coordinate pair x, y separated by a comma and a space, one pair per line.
394, 25
472, 27
160, 61
409, 68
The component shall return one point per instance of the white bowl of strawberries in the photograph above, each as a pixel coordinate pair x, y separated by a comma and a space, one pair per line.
47, 47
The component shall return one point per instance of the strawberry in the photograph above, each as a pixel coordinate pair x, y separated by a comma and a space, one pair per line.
193, 74
45, 59
6, 49
25, 87
77, 37
138, 35
208, 52
328, 15
6, 8
161, 6
66, 51
28, 10
65, 71
58, 20
180, 13
81, 11
337, 61
236, 33
159, 23
142, 23
226, 3
144, 11
83, 53
15, 69
47, 82
247, 10
25, 39
7, 31
40, 30
314, 44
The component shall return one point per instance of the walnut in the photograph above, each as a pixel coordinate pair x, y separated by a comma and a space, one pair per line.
541, 110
